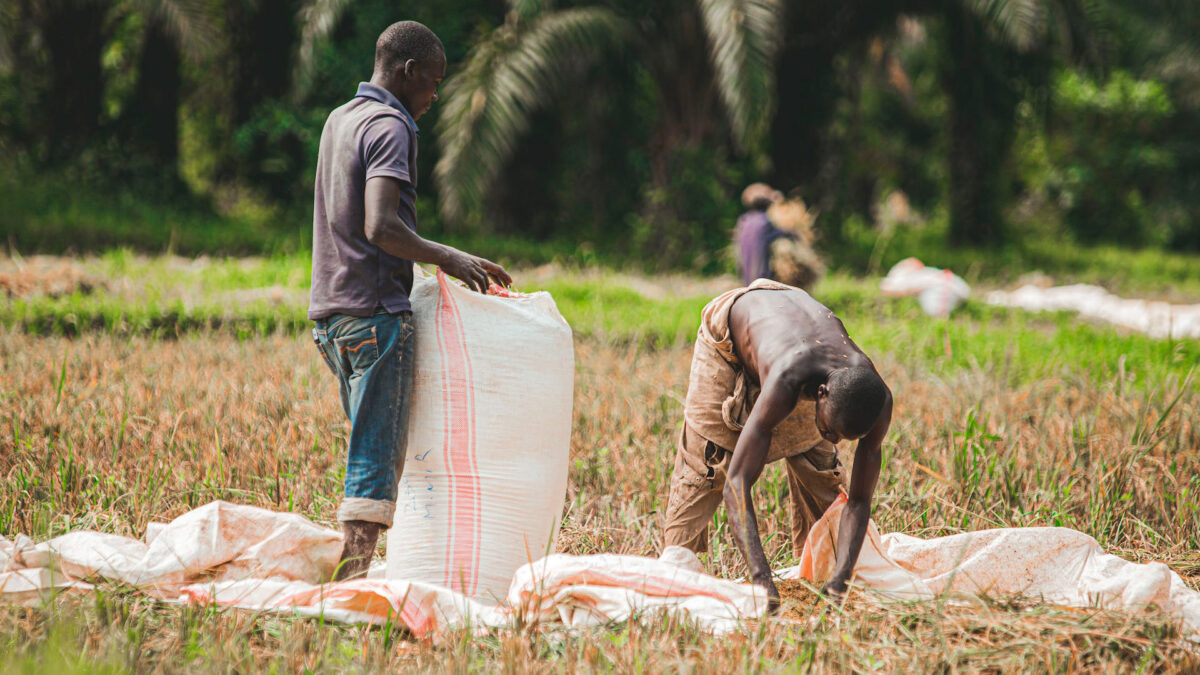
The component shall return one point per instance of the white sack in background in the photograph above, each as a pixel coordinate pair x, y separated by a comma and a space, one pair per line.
489, 438
1156, 319
938, 291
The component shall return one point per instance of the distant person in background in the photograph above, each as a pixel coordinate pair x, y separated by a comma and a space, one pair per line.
364, 246
755, 232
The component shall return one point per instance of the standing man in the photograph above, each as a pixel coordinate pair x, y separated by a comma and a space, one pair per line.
775, 376
364, 246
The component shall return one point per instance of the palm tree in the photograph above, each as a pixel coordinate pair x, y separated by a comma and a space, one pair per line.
998, 52
701, 54
993, 53
175, 29
57, 47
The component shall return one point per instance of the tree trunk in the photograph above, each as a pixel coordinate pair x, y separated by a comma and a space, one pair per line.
981, 111
686, 144
153, 114
74, 44
807, 151
687, 91
264, 34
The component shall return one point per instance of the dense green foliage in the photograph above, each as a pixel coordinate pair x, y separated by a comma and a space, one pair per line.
628, 126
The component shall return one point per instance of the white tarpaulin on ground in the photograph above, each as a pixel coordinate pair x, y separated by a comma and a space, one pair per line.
243, 556
1156, 319
1055, 565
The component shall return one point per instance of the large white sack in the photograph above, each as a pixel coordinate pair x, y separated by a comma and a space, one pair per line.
489, 436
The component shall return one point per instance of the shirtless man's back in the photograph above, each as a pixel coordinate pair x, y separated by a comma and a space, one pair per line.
793, 349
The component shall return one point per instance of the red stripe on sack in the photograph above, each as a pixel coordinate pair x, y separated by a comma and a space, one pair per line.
473, 487
438, 320
462, 555
473, 530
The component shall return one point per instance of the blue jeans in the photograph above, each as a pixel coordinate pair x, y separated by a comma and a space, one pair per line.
372, 358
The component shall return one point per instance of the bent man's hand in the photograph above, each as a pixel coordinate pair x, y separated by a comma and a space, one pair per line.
835, 590
768, 583
474, 271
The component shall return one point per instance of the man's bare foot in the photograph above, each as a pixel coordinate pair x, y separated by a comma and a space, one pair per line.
359, 537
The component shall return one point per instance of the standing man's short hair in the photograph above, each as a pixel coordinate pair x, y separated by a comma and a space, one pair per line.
406, 40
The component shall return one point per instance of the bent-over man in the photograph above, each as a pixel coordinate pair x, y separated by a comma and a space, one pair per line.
364, 246
775, 376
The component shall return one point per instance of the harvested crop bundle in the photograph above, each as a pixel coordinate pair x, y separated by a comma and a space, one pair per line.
793, 217
794, 261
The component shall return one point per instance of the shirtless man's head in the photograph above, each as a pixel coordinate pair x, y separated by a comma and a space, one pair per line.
849, 403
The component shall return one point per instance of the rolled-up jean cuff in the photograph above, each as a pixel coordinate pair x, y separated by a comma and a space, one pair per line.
370, 510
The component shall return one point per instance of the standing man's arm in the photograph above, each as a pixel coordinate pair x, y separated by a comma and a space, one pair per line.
857, 512
773, 406
385, 229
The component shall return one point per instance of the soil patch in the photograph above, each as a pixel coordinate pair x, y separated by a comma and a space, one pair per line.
798, 602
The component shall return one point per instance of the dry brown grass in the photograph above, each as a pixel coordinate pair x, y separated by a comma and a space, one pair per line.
133, 430
52, 276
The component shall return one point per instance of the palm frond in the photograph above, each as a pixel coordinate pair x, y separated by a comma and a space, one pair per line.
1021, 23
317, 19
743, 36
9, 18
190, 22
528, 9
519, 68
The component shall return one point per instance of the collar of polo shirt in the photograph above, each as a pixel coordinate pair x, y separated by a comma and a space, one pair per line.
368, 90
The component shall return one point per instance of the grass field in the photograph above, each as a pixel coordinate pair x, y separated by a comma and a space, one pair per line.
109, 420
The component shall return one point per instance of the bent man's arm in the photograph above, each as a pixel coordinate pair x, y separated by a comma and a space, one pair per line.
857, 513
773, 406
385, 229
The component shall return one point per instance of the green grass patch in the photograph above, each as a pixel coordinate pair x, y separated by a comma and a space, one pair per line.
608, 310
1022, 346
1120, 269
50, 214
169, 296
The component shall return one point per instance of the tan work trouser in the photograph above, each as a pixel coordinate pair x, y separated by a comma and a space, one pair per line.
815, 478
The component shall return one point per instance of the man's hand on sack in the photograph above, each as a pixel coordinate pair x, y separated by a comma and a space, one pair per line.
474, 271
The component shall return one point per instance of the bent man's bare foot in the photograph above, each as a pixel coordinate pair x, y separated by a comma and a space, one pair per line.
359, 537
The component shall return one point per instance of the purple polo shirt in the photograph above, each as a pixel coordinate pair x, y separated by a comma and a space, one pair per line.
753, 236
372, 135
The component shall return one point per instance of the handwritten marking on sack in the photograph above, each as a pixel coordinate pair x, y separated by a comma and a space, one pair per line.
418, 498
